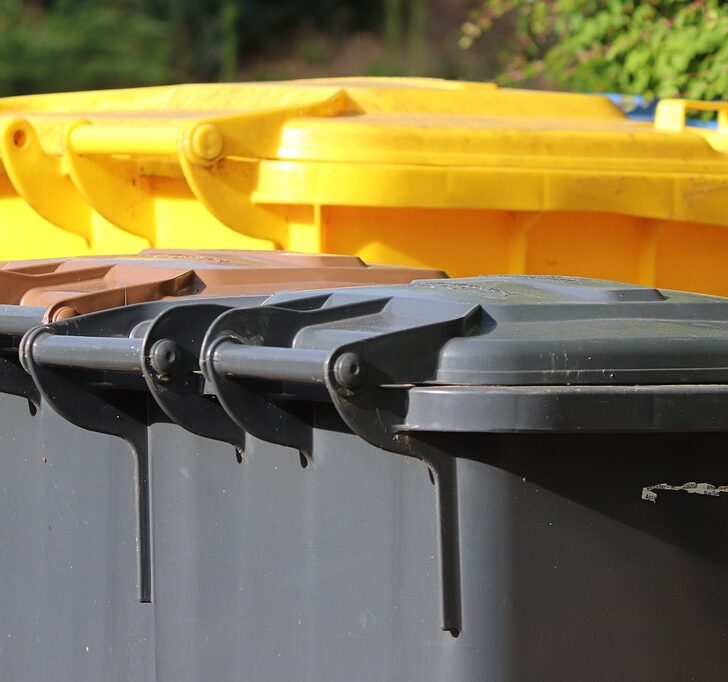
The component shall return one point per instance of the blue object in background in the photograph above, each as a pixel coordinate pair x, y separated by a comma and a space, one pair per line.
639, 108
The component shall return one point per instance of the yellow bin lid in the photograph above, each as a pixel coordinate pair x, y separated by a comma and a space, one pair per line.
359, 142
367, 166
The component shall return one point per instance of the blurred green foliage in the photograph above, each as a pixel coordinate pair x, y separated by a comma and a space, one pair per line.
661, 48
55, 45
71, 46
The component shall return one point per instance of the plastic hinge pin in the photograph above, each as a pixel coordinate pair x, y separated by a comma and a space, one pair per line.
88, 352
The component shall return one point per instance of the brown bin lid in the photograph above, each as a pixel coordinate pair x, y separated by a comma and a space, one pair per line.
69, 287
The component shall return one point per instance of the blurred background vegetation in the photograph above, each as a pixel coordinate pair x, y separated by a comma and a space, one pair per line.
653, 47
52, 45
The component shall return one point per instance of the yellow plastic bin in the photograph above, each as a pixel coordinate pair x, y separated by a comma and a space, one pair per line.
462, 176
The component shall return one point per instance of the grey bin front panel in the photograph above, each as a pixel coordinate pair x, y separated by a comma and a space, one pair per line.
68, 571
576, 576
266, 570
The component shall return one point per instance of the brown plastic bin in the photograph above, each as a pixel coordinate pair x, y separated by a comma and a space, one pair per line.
70, 287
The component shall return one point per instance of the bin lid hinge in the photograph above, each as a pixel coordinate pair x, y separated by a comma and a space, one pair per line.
257, 369
91, 399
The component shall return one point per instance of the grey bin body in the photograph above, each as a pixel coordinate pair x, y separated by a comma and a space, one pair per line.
522, 549
69, 538
68, 594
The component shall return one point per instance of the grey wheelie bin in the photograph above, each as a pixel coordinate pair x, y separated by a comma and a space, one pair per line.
496, 479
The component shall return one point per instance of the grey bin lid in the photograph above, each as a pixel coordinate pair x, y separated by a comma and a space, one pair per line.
572, 331
485, 354
530, 330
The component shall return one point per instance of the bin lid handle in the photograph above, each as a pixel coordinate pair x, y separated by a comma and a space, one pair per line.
671, 115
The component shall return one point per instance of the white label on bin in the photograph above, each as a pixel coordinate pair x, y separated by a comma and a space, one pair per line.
650, 493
